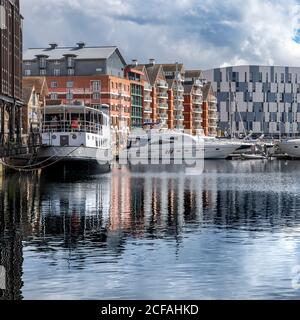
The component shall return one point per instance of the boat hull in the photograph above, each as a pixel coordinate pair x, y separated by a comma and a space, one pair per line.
291, 148
219, 151
73, 159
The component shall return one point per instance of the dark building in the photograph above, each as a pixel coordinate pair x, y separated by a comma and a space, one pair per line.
10, 70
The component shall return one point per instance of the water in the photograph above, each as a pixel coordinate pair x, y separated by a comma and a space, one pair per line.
136, 233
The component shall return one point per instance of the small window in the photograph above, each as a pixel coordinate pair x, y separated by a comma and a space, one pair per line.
56, 72
54, 84
27, 73
70, 84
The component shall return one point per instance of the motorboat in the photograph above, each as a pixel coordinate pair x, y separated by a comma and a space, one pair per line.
163, 146
75, 137
290, 147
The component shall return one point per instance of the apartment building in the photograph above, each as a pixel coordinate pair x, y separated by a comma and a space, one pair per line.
10, 71
209, 111
259, 99
94, 76
193, 101
161, 108
174, 74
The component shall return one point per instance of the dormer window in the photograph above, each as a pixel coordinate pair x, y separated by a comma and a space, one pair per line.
70, 62
43, 62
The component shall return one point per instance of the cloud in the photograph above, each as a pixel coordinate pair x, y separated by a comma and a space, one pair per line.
200, 33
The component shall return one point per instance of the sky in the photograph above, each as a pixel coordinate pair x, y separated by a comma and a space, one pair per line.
200, 33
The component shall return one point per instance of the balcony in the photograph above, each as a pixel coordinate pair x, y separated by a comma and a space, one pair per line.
179, 108
179, 98
179, 118
198, 83
148, 99
198, 93
197, 101
147, 87
163, 116
162, 95
147, 110
163, 106
197, 110
214, 101
162, 84
178, 88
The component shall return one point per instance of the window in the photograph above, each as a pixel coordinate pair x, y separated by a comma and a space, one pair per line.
276, 78
290, 78
56, 72
27, 73
27, 63
70, 62
43, 62
54, 96
56, 62
69, 96
267, 77
96, 86
70, 72
42, 72
260, 77
70, 84
251, 77
54, 84
282, 78
96, 96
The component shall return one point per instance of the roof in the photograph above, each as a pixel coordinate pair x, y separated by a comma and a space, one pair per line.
171, 67
83, 53
153, 72
39, 83
26, 94
193, 73
142, 69
207, 90
188, 88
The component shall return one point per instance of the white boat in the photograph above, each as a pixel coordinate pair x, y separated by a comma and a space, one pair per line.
290, 147
75, 137
163, 143
219, 149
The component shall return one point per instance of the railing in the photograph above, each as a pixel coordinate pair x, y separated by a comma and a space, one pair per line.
179, 98
197, 110
148, 99
147, 87
161, 95
67, 126
163, 116
148, 110
162, 84
163, 106
178, 108
197, 101
179, 88
198, 93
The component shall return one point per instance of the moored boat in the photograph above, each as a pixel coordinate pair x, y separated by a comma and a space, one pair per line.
75, 137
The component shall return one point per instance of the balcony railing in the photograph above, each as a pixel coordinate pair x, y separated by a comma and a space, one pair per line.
197, 101
179, 98
179, 118
163, 116
147, 87
162, 84
178, 88
197, 110
178, 108
147, 110
198, 93
162, 95
148, 99
163, 106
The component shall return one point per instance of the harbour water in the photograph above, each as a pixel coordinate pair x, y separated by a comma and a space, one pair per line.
136, 233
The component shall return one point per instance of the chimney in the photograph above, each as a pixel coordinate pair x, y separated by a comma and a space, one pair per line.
152, 61
135, 62
80, 44
53, 45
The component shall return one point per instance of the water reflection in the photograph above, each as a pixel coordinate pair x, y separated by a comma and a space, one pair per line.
98, 238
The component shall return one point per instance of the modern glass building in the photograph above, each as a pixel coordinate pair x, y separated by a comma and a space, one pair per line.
258, 99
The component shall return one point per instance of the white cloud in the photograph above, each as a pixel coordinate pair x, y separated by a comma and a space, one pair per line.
201, 34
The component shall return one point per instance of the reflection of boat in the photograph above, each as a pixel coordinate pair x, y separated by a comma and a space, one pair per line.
290, 147
75, 136
253, 156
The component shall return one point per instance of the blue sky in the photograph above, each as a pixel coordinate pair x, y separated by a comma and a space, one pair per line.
200, 33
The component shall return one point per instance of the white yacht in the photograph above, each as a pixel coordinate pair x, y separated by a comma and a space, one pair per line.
290, 147
219, 149
75, 136
163, 143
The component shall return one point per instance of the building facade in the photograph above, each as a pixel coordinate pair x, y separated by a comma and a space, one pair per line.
10, 71
258, 99
93, 76
193, 100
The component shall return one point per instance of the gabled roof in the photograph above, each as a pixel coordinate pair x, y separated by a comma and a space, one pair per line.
154, 72
198, 74
80, 53
171, 67
143, 69
39, 83
207, 91
26, 94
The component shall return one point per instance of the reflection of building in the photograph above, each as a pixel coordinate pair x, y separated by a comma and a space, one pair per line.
10, 70
11, 255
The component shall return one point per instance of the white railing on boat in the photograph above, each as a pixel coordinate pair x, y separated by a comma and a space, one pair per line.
72, 126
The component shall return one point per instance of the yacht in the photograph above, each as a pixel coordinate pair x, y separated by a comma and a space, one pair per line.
164, 143
290, 147
75, 137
